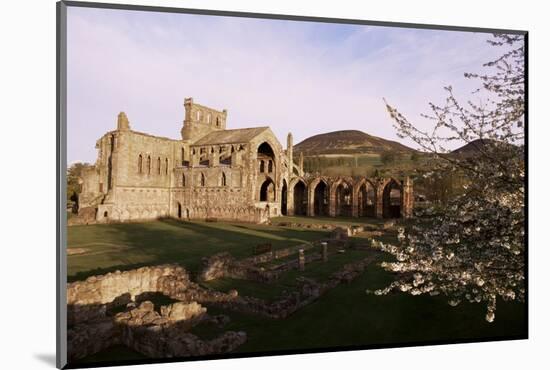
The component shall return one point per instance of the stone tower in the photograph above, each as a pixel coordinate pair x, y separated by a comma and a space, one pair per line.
200, 120
122, 122
289, 145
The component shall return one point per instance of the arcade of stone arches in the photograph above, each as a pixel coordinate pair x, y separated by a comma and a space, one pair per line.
331, 196
347, 196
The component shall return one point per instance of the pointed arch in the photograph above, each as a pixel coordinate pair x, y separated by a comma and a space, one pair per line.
267, 190
140, 164
364, 198
299, 192
203, 179
318, 197
266, 157
223, 179
392, 199
340, 198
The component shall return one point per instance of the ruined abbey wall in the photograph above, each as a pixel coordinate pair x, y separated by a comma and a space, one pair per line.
216, 173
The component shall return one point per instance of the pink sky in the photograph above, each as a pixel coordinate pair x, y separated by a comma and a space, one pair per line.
303, 77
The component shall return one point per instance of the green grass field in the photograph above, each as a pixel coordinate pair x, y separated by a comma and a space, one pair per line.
348, 316
341, 221
345, 316
112, 247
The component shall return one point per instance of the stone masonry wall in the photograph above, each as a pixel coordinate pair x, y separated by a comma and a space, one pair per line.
138, 176
85, 299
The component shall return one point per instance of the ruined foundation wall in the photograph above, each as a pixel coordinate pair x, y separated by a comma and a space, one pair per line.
85, 298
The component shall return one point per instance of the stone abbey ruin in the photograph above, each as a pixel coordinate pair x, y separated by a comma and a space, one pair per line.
213, 173
218, 173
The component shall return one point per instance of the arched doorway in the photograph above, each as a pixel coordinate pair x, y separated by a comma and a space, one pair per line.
267, 191
300, 198
392, 200
366, 200
179, 210
284, 198
320, 199
342, 199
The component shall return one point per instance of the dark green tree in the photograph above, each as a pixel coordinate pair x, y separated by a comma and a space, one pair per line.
74, 172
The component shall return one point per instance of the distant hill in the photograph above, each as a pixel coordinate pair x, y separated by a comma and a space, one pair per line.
348, 142
474, 147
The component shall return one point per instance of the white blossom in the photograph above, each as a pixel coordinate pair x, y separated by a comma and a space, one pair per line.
472, 246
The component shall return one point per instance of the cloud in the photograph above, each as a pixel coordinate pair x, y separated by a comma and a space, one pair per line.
302, 77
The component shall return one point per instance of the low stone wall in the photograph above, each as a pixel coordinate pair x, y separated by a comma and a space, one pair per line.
294, 264
164, 335
215, 267
251, 214
306, 225
310, 291
352, 230
152, 333
85, 339
224, 265
277, 254
92, 298
103, 289
186, 314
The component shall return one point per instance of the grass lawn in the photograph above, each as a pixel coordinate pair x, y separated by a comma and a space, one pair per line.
111, 247
341, 221
345, 316
318, 270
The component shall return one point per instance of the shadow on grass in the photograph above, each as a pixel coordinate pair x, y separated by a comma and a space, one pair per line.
171, 241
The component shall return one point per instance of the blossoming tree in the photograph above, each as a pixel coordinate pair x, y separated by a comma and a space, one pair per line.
473, 248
